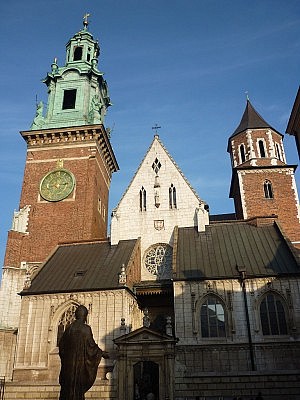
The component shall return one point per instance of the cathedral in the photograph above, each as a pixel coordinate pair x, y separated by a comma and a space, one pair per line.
189, 305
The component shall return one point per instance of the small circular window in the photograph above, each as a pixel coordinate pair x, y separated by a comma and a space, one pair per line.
158, 260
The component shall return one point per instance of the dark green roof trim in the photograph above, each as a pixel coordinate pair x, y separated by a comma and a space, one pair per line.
30, 293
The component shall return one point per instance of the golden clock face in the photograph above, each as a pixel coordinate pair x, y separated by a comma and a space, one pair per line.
57, 185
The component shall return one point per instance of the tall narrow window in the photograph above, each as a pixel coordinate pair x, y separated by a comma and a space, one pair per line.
242, 153
66, 319
212, 318
143, 198
172, 196
272, 315
88, 56
278, 153
69, 99
268, 191
77, 53
261, 147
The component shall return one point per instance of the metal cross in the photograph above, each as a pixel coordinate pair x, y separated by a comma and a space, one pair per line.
156, 127
85, 19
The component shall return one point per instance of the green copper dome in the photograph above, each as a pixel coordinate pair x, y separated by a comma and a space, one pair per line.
77, 92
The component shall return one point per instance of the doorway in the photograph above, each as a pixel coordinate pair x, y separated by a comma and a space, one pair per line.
146, 381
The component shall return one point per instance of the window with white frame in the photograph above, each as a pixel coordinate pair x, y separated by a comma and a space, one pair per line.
242, 153
278, 152
268, 190
261, 148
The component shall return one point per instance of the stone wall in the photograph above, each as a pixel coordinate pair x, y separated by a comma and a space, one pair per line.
246, 386
11, 284
8, 340
102, 390
37, 352
232, 353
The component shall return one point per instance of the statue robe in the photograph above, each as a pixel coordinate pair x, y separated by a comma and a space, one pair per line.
80, 357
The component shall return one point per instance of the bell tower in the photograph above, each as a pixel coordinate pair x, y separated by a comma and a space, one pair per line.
68, 169
263, 184
78, 93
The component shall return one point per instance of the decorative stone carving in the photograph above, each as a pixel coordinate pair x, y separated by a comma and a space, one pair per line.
20, 219
122, 276
169, 326
146, 318
39, 119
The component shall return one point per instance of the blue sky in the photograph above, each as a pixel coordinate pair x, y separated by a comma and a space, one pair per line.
183, 64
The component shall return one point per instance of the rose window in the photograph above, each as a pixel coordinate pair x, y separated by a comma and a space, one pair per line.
158, 260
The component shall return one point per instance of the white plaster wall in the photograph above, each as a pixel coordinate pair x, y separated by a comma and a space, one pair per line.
11, 284
128, 222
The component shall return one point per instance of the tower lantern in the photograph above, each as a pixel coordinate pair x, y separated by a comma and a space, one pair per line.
77, 92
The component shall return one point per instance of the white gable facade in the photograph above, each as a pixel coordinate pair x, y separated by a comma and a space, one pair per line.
158, 198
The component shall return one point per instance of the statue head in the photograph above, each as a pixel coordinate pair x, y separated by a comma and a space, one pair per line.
150, 396
81, 313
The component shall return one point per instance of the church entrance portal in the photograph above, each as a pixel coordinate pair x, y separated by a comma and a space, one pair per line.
146, 380
145, 367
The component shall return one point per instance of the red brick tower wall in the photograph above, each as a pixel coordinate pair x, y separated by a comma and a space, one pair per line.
81, 216
250, 175
253, 203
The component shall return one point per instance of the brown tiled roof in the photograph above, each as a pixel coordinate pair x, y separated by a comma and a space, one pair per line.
82, 267
217, 252
251, 120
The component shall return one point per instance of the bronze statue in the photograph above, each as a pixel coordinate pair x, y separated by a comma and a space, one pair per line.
80, 357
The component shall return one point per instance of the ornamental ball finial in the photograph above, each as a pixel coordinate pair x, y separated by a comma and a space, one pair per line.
85, 20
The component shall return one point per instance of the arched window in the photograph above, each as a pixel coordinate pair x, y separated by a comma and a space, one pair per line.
268, 190
65, 320
172, 196
143, 198
261, 147
77, 53
272, 315
242, 153
212, 318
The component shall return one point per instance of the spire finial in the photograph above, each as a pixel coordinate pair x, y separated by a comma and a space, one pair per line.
85, 20
247, 95
156, 127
